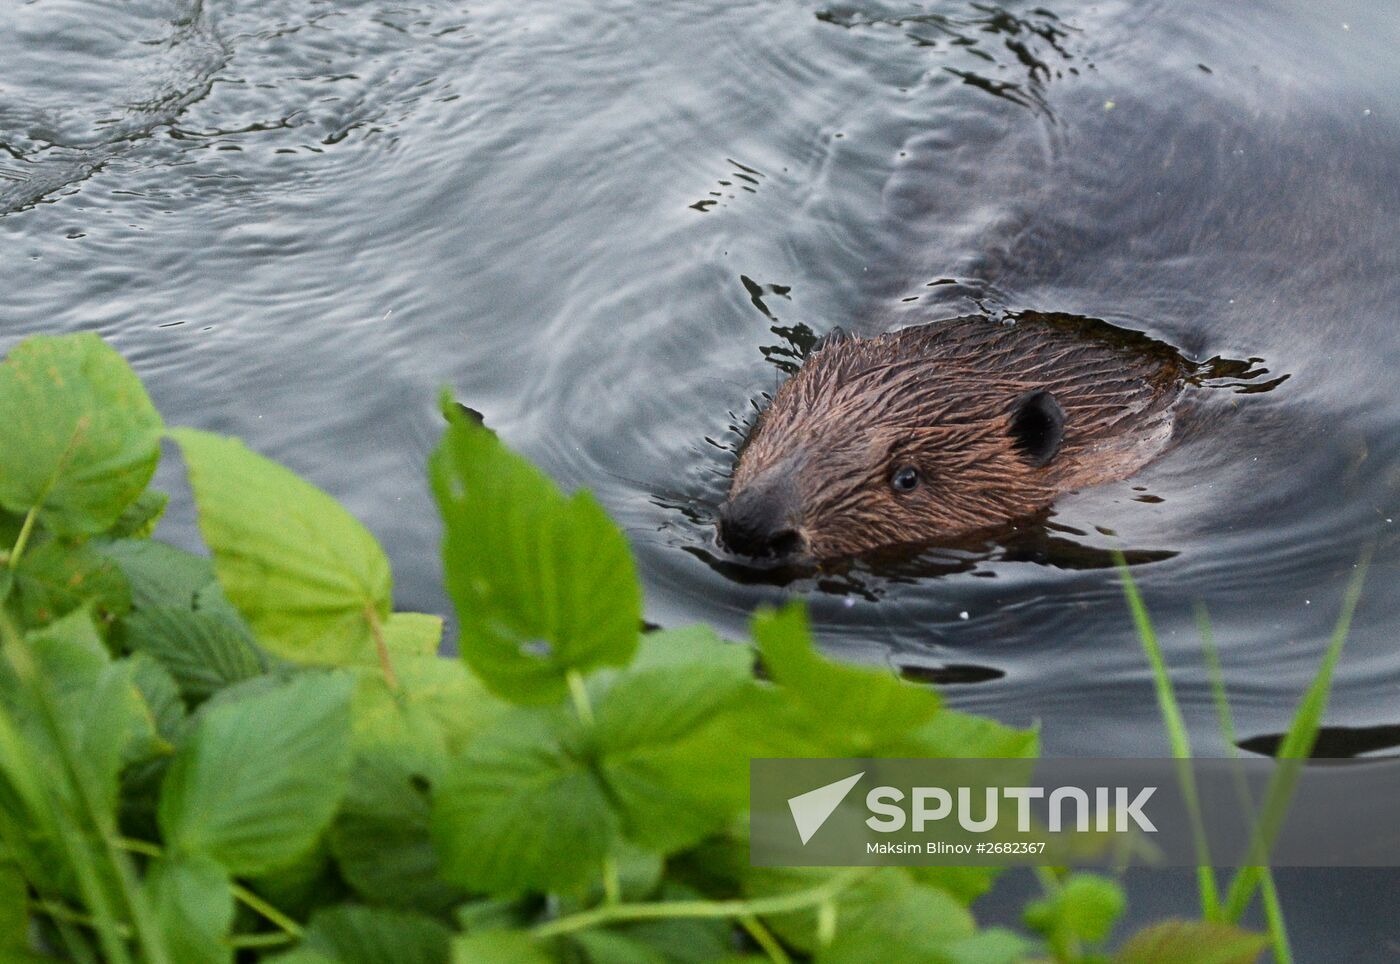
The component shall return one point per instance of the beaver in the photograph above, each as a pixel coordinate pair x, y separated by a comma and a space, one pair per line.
944, 430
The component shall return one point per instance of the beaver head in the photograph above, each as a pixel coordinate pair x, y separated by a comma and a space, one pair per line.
939, 431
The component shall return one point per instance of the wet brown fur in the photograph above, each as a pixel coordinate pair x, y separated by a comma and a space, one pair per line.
940, 397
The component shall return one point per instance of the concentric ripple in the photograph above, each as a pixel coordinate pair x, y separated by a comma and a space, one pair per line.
614, 228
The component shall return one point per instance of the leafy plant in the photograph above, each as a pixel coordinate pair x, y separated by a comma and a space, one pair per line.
252, 754
1296, 747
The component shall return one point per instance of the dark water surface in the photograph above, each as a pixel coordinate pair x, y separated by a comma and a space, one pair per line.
611, 225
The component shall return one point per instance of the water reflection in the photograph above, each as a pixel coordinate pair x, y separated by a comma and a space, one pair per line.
1037, 41
138, 78
614, 235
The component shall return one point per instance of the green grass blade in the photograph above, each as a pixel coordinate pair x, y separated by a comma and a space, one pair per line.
33, 814
1179, 738
1273, 910
104, 874
1296, 747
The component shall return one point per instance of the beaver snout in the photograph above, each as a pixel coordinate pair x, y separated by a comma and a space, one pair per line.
762, 520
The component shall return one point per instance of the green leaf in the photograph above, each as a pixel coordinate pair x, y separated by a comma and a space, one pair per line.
636, 874
52, 580
139, 519
992, 946
490, 913
444, 692
204, 651
1084, 908
299, 885
1192, 942
824, 708
193, 904
436, 709
308, 577
261, 776
115, 726
303, 955
255, 686
663, 747
665, 704
376, 935
675, 940
69, 653
382, 838
97, 700
500, 947
14, 912
689, 645
964, 883
80, 438
160, 574
954, 735
887, 916
860, 710
542, 584
684, 940
161, 693
413, 634
147, 763
613, 947
521, 809
386, 719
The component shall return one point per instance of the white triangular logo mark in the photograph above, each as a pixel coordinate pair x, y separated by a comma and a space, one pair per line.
810, 809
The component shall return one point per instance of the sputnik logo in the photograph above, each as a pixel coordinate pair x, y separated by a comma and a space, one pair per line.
811, 809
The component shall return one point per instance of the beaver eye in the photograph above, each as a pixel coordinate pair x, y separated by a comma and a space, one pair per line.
905, 479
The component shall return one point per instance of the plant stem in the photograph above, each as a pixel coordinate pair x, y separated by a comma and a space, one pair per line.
376, 629
1296, 747
826, 923
757, 907
578, 692
61, 912
1180, 741
33, 514
145, 848
612, 882
1273, 910
80, 813
1273, 915
36, 810
270, 939
290, 927
764, 938
23, 539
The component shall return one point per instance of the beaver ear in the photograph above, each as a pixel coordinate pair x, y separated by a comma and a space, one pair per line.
1037, 426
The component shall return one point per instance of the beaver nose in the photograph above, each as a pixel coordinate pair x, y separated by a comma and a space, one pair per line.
761, 521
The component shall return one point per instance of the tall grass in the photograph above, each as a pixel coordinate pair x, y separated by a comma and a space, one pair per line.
1225, 719
60, 806
1297, 746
